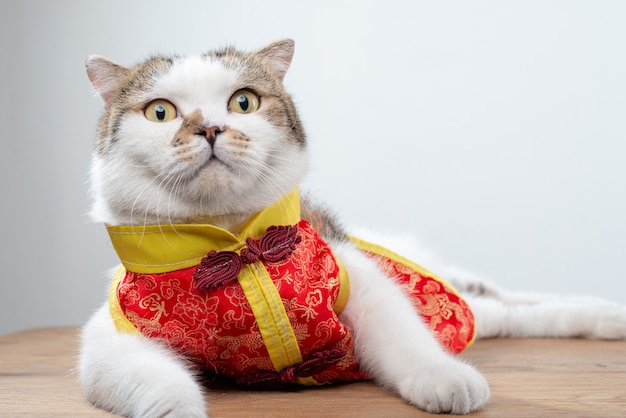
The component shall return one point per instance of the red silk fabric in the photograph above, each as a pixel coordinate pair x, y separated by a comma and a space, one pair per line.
216, 329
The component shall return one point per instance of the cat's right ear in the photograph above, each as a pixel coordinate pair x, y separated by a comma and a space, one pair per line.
279, 55
104, 75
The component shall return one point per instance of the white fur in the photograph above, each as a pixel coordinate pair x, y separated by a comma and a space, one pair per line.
508, 314
192, 80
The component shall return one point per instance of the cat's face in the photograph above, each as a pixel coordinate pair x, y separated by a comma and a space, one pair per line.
193, 139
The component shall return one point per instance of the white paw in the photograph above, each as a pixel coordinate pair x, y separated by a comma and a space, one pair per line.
148, 395
450, 387
173, 400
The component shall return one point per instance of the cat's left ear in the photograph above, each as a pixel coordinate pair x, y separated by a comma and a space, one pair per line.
279, 55
104, 75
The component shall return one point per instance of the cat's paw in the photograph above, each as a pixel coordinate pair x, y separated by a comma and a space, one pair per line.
182, 399
150, 395
449, 387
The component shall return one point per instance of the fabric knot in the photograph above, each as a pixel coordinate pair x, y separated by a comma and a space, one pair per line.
260, 379
289, 375
278, 242
319, 361
217, 269
251, 254
220, 268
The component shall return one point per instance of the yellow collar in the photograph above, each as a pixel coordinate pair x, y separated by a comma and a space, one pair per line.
162, 248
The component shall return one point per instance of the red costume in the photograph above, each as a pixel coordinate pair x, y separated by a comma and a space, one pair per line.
261, 308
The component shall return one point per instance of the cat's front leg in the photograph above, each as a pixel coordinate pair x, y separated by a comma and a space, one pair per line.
133, 376
396, 348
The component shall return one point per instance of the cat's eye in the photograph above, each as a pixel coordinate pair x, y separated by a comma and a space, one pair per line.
243, 101
160, 111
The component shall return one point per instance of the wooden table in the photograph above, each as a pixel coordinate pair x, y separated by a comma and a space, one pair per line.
529, 378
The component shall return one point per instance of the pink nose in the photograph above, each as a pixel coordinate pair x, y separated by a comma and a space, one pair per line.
211, 134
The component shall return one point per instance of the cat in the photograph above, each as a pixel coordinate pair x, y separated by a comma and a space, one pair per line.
209, 143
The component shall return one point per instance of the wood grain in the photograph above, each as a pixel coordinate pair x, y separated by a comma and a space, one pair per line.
528, 377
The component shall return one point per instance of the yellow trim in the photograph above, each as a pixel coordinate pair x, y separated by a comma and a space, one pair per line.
308, 381
385, 252
271, 316
122, 324
163, 248
344, 289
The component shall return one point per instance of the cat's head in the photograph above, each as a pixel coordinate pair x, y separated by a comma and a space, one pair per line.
195, 139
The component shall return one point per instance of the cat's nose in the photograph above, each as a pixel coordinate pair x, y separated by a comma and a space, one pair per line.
211, 134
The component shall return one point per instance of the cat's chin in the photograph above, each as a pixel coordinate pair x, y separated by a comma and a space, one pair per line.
212, 167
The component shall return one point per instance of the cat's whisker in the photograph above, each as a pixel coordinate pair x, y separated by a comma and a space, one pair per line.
132, 211
175, 190
138, 165
165, 185
165, 178
169, 198
269, 155
261, 172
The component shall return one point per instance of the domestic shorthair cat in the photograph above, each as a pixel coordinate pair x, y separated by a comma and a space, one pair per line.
229, 270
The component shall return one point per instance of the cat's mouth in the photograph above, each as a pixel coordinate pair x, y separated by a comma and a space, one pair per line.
212, 163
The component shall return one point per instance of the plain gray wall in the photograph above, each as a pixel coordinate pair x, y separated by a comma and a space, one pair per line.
494, 131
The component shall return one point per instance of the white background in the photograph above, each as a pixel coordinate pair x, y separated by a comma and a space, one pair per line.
495, 131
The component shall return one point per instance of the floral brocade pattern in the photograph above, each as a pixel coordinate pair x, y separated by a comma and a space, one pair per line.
444, 311
216, 329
